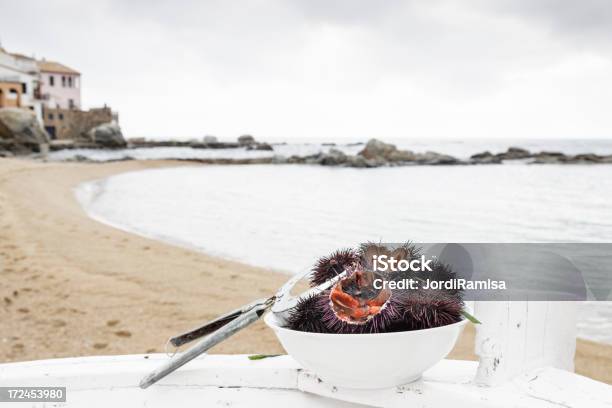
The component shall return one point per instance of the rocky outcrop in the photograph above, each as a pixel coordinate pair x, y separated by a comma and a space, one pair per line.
260, 146
433, 158
208, 139
378, 150
590, 158
544, 157
485, 158
560, 158
107, 135
20, 132
250, 143
377, 153
334, 157
514, 153
246, 140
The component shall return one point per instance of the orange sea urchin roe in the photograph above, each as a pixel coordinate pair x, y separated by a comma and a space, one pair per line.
355, 300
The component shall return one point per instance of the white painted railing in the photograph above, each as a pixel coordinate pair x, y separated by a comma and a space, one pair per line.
518, 336
526, 352
221, 380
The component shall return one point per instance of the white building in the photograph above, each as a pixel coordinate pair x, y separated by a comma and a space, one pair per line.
60, 86
19, 82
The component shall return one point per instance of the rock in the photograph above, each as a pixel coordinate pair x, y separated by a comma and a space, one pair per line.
334, 157
382, 153
402, 156
80, 158
376, 149
296, 159
20, 131
586, 158
515, 153
549, 158
433, 158
246, 140
485, 158
483, 155
377, 153
362, 162
278, 159
550, 154
107, 135
545, 157
208, 139
260, 146
606, 159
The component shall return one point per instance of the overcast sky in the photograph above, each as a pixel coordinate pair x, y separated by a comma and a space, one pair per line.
329, 69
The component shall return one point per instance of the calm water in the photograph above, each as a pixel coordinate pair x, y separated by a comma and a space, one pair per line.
284, 217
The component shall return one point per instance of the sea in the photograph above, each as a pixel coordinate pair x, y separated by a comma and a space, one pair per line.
284, 217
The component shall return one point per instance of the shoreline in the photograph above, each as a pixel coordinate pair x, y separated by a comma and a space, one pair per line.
74, 286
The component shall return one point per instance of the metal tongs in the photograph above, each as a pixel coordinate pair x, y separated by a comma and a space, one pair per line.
219, 329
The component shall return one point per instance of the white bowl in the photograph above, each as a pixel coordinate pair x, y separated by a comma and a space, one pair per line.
368, 360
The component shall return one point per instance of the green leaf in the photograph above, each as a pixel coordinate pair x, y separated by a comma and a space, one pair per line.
470, 317
262, 356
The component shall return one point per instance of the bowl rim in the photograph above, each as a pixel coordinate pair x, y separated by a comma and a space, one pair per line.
271, 321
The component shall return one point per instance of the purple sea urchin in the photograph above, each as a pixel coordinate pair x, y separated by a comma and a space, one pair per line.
424, 309
369, 250
307, 315
330, 266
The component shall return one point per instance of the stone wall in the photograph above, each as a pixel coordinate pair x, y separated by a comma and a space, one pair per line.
73, 124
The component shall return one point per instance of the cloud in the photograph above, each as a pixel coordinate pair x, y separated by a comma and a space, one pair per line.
343, 68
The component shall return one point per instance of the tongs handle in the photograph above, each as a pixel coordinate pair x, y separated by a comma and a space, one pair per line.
213, 325
227, 330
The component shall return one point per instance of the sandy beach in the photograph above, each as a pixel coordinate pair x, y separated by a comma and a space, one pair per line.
73, 287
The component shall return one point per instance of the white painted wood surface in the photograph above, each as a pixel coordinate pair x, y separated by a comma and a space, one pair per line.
220, 380
516, 337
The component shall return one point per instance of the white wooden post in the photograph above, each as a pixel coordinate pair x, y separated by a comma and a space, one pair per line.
517, 336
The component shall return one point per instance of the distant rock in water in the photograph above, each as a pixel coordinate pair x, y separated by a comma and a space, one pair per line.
377, 153
485, 158
20, 132
107, 135
549, 158
334, 157
208, 139
515, 153
544, 157
260, 146
433, 158
377, 150
246, 140
560, 158
590, 158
